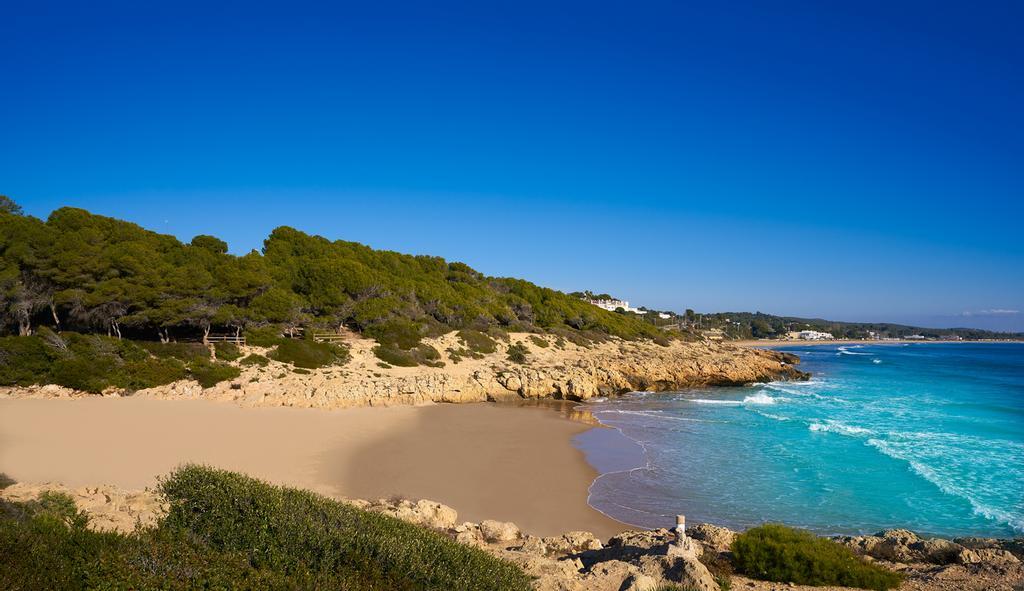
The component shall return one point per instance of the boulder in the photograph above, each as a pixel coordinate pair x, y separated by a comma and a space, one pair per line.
713, 537
499, 531
640, 582
689, 573
936, 551
436, 515
573, 542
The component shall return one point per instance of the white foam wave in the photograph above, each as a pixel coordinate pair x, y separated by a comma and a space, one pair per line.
656, 414
947, 486
876, 361
759, 398
840, 428
847, 351
773, 417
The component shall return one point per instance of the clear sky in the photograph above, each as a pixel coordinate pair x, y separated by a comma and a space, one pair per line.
856, 161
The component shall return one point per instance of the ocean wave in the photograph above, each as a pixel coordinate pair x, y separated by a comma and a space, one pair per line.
949, 486
847, 351
759, 398
840, 428
655, 414
876, 360
773, 417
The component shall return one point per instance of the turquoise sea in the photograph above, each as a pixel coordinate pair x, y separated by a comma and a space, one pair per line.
926, 436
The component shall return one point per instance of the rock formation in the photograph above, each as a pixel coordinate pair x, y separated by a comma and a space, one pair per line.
568, 372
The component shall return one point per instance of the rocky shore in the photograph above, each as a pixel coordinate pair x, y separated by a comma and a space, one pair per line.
569, 372
632, 560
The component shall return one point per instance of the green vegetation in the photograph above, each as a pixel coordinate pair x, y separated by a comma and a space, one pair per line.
94, 363
226, 531
477, 342
91, 363
255, 359
422, 354
778, 553
746, 325
517, 353
94, 274
288, 530
209, 373
227, 351
309, 354
542, 342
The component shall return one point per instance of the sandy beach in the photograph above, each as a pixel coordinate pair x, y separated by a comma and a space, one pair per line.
486, 461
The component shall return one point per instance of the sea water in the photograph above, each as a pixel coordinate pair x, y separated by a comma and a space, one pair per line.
924, 436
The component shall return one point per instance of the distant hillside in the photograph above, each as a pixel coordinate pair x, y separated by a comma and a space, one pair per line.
88, 273
747, 325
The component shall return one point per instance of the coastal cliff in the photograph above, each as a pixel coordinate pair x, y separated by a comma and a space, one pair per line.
568, 372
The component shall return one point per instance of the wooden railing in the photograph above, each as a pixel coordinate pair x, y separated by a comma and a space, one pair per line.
225, 338
326, 337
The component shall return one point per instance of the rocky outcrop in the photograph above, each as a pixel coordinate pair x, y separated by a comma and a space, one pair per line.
571, 372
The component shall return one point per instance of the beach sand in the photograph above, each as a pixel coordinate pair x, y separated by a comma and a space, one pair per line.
487, 461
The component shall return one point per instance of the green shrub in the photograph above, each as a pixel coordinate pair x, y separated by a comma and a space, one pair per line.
477, 341
186, 352
309, 354
288, 530
24, 361
264, 336
227, 351
517, 353
6, 481
422, 354
778, 553
395, 356
255, 359
539, 341
46, 545
210, 373
400, 333
89, 363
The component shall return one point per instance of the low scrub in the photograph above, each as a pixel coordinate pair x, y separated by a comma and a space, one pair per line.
255, 359
227, 351
309, 354
46, 545
186, 352
293, 531
517, 353
210, 373
774, 552
539, 341
90, 363
422, 354
264, 336
477, 342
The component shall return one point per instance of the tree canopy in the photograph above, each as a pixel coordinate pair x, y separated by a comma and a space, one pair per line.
91, 273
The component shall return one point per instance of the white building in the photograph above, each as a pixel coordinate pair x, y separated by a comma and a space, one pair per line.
612, 305
813, 335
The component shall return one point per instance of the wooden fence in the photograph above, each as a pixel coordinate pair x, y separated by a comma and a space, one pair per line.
225, 338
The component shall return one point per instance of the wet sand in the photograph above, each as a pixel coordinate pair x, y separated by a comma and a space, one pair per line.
485, 460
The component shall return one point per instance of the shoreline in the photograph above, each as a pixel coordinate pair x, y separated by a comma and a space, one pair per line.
472, 457
772, 343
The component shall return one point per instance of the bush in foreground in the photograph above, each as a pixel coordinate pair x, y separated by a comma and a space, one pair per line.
228, 531
289, 530
783, 554
46, 545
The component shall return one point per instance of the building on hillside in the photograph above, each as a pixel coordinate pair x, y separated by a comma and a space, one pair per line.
664, 316
612, 305
813, 335
915, 337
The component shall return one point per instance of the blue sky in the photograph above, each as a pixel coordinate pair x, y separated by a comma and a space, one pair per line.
861, 161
